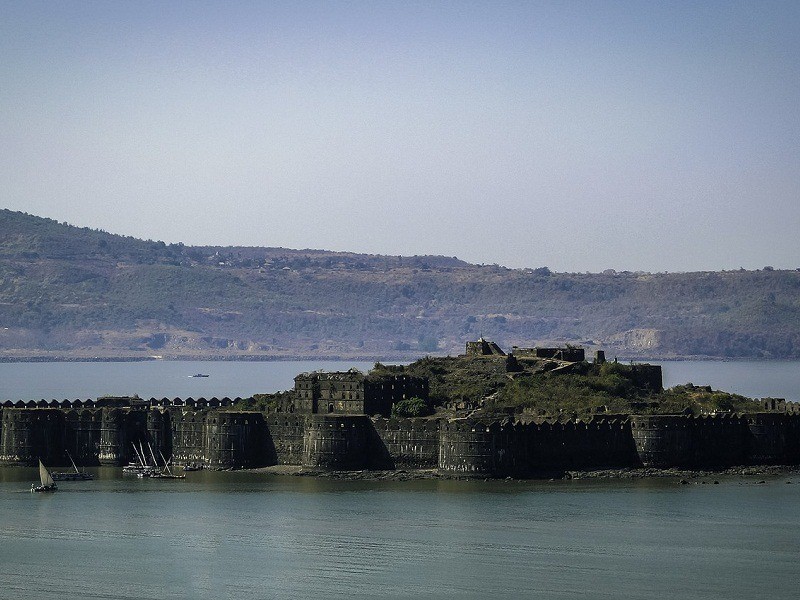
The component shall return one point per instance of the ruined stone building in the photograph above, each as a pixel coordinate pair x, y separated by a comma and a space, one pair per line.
353, 393
567, 353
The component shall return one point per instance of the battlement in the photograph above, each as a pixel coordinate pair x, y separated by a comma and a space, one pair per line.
122, 402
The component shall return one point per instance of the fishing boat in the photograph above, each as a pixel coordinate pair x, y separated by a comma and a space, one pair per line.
72, 475
166, 472
142, 468
48, 485
199, 375
155, 472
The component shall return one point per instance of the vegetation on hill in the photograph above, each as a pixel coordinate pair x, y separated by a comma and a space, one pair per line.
68, 289
485, 386
497, 387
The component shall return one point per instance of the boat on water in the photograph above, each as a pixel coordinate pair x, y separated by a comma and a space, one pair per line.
47, 483
199, 375
141, 466
154, 471
193, 467
75, 475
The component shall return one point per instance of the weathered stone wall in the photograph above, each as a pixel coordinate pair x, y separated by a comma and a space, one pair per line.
404, 444
474, 448
284, 439
719, 441
82, 435
337, 442
664, 440
219, 438
30, 435
223, 440
766, 438
188, 436
598, 443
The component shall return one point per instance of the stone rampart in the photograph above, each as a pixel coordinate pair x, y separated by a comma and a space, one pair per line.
404, 444
766, 438
664, 440
337, 442
284, 439
30, 435
220, 438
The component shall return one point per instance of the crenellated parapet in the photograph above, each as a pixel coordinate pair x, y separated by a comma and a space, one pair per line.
123, 402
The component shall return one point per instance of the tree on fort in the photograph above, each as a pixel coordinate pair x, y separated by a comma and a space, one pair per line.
411, 407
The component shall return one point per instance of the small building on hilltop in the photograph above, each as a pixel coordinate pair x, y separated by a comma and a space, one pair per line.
483, 348
354, 393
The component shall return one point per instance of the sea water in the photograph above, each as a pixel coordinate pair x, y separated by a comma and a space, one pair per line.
251, 535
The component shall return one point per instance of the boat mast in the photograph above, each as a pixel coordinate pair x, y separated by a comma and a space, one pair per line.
137, 454
155, 462
74, 466
166, 464
144, 460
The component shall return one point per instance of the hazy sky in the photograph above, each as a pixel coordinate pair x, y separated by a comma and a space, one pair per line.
578, 135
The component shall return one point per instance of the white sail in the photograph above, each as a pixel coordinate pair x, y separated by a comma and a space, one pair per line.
44, 475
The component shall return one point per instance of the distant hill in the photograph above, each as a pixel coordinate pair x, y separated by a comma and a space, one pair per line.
75, 292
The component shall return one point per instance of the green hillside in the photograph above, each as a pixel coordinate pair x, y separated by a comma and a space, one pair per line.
69, 291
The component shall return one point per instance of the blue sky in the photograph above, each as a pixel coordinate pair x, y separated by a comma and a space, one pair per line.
578, 135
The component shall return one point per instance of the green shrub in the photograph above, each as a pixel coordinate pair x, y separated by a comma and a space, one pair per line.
411, 407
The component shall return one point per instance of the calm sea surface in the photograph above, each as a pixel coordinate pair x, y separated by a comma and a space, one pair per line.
249, 535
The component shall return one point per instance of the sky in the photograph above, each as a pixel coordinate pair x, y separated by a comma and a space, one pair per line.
582, 136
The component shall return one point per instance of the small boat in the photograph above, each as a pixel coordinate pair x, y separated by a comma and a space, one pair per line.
142, 468
48, 485
154, 472
192, 467
199, 375
72, 476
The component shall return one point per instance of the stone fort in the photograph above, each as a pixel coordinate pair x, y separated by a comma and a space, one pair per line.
339, 421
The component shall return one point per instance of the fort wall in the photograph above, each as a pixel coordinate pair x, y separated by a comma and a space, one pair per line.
284, 439
404, 444
336, 442
222, 438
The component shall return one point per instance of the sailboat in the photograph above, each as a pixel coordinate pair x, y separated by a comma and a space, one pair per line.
48, 485
142, 468
166, 472
70, 476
